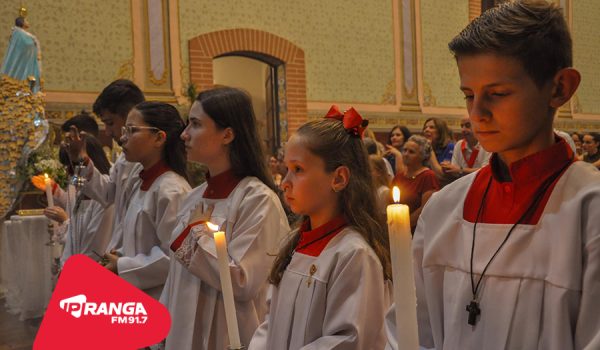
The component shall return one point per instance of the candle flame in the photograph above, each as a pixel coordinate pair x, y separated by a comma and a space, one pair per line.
45, 175
212, 226
396, 194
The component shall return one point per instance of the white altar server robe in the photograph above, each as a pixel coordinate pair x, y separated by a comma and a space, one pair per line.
115, 188
542, 290
254, 223
147, 226
342, 306
89, 230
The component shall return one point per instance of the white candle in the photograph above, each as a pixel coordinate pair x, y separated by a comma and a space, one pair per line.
402, 271
226, 288
48, 183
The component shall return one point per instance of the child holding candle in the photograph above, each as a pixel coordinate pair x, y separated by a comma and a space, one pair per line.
329, 287
83, 122
85, 225
239, 197
509, 257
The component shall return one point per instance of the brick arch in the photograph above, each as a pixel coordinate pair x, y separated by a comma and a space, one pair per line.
205, 47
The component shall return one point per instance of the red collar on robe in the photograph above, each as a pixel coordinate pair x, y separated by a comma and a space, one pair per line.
150, 175
220, 186
506, 201
334, 226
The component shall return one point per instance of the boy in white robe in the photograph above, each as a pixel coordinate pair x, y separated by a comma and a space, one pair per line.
509, 257
112, 106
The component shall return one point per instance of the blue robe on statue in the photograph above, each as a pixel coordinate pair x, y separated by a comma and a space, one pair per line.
22, 58
23, 126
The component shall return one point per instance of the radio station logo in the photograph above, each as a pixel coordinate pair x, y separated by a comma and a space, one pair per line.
94, 309
121, 313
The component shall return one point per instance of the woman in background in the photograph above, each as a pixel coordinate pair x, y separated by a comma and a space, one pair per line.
418, 182
393, 150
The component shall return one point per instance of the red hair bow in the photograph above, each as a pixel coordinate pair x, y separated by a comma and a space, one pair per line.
353, 122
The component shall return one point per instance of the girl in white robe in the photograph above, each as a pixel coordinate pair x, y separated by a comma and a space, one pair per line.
151, 138
330, 285
239, 197
86, 226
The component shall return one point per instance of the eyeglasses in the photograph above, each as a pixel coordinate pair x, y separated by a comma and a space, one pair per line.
127, 130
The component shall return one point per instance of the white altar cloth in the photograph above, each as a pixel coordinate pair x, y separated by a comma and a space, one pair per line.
25, 264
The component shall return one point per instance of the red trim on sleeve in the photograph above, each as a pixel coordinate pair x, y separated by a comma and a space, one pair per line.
179, 240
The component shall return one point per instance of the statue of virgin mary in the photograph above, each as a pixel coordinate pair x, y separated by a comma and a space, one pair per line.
23, 126
23, 58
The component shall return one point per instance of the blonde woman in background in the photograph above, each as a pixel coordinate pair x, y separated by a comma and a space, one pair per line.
382, 181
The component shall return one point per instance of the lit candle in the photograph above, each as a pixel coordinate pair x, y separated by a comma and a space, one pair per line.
402, 271
48, 183
226, 288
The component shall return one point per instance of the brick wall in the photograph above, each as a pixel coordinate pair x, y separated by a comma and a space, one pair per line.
205, 47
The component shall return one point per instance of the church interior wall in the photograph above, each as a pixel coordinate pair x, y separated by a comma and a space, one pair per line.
440, 22
348, 46
586, 50
352, 52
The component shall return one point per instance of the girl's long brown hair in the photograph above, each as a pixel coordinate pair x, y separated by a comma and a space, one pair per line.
327, 138
444, 134
232, 108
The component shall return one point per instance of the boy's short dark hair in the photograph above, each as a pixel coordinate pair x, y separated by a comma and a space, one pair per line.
20, 22
84, 122
118, 97
532, 31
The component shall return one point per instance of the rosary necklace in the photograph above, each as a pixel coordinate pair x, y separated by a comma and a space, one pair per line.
473, 307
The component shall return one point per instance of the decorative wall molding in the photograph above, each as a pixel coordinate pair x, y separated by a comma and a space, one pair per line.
149, 36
